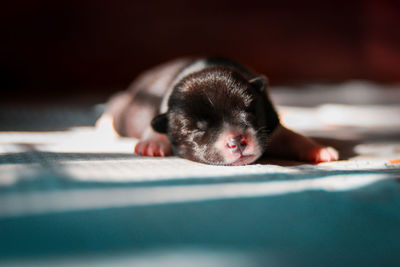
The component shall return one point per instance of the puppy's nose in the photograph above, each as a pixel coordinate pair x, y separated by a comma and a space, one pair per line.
237, 144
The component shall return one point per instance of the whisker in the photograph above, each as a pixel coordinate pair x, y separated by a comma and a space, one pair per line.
209, 99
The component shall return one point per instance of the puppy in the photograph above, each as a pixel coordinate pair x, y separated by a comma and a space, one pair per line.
209, 110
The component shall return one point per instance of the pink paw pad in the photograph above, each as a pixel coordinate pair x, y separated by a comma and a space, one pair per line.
324, 154
152, 148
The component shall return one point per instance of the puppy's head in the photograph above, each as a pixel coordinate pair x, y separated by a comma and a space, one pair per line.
216, 116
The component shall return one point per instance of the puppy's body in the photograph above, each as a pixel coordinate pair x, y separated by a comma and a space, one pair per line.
133, 109
210, 110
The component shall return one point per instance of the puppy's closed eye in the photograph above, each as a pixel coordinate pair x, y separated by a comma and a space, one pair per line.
251, 108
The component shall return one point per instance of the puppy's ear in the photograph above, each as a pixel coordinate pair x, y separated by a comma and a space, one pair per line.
259, 82
160, 123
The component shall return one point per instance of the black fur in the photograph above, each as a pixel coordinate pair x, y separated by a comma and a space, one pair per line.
202, 102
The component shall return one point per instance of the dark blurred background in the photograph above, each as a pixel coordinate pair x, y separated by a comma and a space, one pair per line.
67, 48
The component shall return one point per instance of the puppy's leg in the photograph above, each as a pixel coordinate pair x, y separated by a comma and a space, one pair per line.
289, 144
153, 144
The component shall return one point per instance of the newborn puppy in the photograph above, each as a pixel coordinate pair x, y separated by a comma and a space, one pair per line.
210, 110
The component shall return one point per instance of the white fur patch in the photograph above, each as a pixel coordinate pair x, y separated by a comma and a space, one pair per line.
195, 67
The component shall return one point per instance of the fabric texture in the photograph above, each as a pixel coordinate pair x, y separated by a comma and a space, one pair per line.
71, 193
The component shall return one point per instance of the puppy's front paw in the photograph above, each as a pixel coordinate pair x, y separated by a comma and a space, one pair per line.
323, 154
153, 147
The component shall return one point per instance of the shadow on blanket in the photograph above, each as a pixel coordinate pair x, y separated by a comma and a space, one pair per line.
75, 197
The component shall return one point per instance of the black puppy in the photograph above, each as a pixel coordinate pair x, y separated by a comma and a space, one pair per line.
210, 110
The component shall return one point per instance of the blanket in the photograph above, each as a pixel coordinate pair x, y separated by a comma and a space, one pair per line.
71, 193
